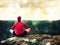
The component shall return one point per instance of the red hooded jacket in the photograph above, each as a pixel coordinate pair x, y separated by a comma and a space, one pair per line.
18, 27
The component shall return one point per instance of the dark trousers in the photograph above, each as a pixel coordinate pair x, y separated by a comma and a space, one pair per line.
21, 35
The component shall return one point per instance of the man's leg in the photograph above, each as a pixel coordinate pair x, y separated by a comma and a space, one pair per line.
11, 31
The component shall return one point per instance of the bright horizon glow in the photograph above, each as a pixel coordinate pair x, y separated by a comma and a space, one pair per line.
14, 10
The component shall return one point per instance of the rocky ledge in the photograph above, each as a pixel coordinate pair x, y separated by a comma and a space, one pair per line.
33, 40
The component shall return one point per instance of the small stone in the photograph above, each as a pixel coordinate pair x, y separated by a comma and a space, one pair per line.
33, 40
26, 39
48, 43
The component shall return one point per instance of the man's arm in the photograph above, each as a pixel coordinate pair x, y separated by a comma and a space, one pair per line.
27, 28
13, 27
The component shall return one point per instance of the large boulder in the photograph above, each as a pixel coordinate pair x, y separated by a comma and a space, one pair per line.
33, 40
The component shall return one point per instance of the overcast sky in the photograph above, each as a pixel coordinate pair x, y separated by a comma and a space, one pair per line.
30, 9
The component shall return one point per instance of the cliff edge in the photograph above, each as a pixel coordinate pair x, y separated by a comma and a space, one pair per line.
33, 40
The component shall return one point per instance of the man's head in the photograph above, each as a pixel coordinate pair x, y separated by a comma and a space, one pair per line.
19, 18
